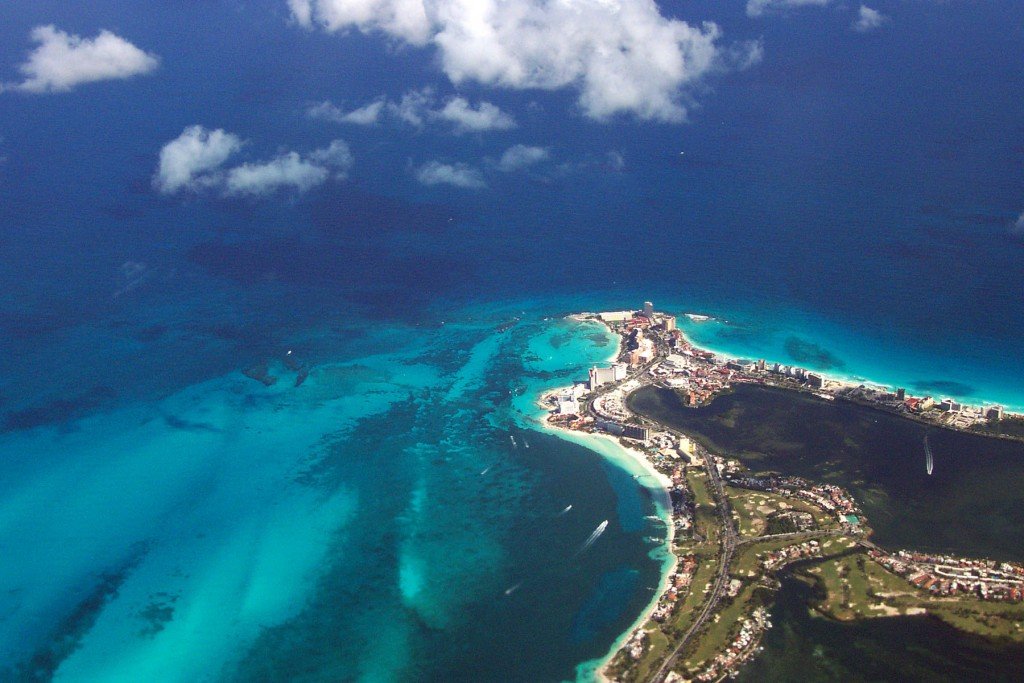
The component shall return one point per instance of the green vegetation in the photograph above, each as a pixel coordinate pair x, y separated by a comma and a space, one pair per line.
624, 668
721, 629
754, 510
660, 635
705, 519
745, 563
705, 548
1007, 426
854, 586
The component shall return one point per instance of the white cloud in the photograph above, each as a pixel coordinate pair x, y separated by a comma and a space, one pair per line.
459, 175
416, 108
287, 170
413, 106
367, 115
623, 56
1018, 227
757, 8
406, 19
191, 159
61, 60
302, 11
521, 156
485, 116
337, 156
195, 159
868, 20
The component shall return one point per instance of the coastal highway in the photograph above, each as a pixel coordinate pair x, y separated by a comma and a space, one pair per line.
728, 548
728, 537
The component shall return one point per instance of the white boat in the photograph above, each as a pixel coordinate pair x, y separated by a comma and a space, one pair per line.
929, 463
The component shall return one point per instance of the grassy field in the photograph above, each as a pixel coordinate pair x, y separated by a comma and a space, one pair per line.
697, 479
706, 549
856, 587
721, 629
625, 669
751, 510
705, 519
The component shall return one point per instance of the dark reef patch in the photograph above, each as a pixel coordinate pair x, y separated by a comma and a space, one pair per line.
19, 325
59, 410
557, 341
189, 425
943, 386
157, 614
810, 354
65, 638
732, 331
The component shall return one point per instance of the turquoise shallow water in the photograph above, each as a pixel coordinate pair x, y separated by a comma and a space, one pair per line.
375, 523
161, 513
958, 365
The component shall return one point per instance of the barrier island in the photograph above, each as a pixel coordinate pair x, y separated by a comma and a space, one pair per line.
750, 508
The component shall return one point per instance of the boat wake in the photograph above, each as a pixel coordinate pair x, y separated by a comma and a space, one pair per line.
565, 511
512, 589
593, 537
929, 462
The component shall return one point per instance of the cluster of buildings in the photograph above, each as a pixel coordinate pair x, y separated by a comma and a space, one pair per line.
944, 575
740, 649
796, 519
679, 586
833, 499
773, 559
945, 411
634, 647
813, 379
610, 375
694, 373
698, 374
566, 402
611, 405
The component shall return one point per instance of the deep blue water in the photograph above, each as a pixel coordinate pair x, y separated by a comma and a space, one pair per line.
854, 192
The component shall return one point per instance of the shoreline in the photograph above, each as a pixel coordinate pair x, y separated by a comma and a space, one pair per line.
630, 460
846, 379
707, 384
845, 388
636, 463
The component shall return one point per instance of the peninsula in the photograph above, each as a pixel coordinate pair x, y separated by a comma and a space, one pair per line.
734, 531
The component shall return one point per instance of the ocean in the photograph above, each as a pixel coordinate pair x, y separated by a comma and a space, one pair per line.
845, 204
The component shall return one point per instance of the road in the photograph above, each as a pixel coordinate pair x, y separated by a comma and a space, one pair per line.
728, 536
728, 541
